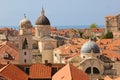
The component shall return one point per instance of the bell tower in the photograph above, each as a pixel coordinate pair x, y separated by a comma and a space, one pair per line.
25, 41
45, 43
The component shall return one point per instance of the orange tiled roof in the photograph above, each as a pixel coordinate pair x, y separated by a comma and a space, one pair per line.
40, 71
107, 78
104, 41
1, 66
111, 54
64, 31
52, 28
69, 72
73, 46
116, 42
96, 29
11, 72
111, 16
4, 29
7, 47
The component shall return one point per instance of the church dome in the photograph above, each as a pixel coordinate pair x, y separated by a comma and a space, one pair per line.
90, 46
25, 23
42, 20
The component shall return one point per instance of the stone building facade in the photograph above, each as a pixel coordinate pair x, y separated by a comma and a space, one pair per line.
113, 25
91, 61
25, 41
37, 48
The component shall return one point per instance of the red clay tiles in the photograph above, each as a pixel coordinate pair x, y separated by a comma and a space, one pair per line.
69, 72
40, 71
11, 72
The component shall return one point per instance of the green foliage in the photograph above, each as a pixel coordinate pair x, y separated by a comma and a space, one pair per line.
80, 33
93, 25
109, 35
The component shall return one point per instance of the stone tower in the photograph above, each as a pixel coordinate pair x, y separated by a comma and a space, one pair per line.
25, 42
45, 43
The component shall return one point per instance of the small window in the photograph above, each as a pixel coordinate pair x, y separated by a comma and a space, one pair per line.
6, 56
97, 56
25, 60
119, 29
28, 70
24, 53
25, 44
55, 55
54, 70
46, 61
83, 56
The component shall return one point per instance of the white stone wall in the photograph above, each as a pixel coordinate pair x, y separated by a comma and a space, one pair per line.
87, 55
56, 57
42, 31
47, 55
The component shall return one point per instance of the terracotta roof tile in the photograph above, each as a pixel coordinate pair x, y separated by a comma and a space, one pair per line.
107, 78
4, 29
111, 16
11, 72
40, 71
10, 49
96, 29
111, 54
53, 28
69, 72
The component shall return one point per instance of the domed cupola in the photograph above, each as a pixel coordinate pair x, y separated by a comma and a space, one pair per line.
25, 23
89, 47
42, 20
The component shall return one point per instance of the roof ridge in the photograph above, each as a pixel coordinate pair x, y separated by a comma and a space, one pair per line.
70, 69
2, 46
4, 67
14, 48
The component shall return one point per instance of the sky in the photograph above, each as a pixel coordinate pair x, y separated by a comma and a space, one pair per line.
59, 12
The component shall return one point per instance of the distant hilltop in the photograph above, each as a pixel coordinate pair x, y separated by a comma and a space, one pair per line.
77, 27
59, 27
14, 27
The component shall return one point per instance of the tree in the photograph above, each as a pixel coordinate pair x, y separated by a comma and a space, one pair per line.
108, 35
81, 34
93, 25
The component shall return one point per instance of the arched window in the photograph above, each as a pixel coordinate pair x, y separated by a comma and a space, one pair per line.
88, 70
35, 45
95, 70
25, 44
25, 53
25, 60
